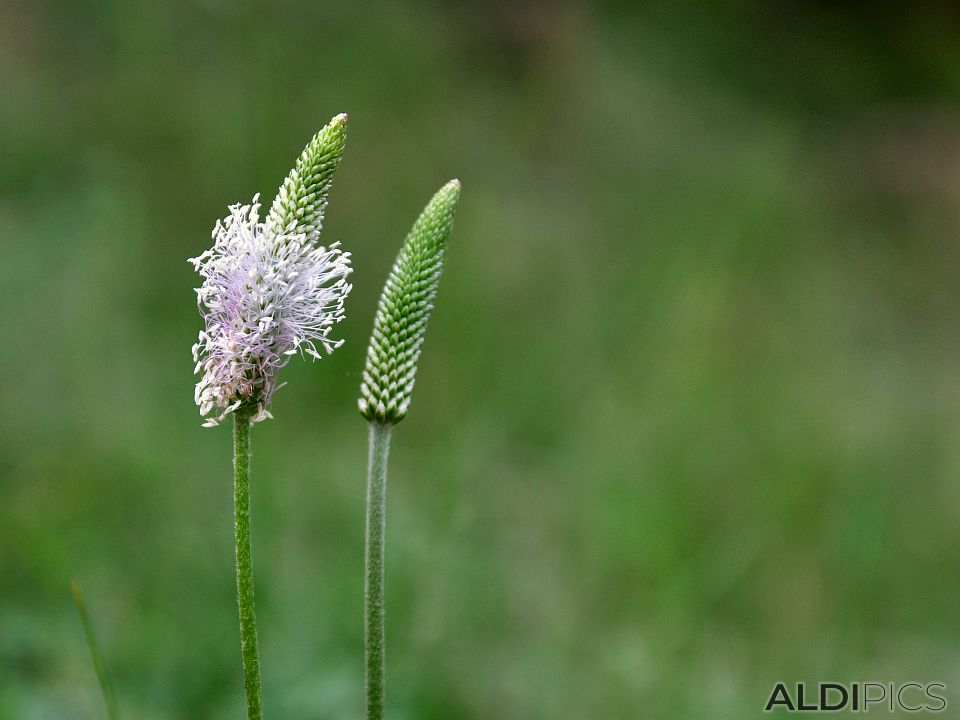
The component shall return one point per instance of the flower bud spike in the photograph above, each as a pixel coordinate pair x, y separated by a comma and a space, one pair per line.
302, 197
405, 305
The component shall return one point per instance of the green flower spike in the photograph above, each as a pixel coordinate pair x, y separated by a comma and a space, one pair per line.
405, 306
302, 197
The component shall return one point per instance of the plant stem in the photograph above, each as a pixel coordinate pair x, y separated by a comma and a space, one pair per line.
98, 665
248, 618
373, 588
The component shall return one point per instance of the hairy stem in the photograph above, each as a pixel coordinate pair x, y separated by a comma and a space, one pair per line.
248, 618
373, 588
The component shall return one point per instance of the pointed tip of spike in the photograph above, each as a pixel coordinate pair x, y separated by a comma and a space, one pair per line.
341, 118
451, 190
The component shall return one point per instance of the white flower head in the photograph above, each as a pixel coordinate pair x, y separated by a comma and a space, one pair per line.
270, 290
266, 295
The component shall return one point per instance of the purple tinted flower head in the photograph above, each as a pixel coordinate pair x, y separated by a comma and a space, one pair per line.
270, 290
264, 297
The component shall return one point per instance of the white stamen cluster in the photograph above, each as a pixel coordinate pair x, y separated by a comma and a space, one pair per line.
266, 295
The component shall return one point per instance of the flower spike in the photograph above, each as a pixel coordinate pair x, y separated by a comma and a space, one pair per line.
302, 197
403, 312
270, 290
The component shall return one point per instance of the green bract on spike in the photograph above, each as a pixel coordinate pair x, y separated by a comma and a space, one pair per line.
404, 309
302, 198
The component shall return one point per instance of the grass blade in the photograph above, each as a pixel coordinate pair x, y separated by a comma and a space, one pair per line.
108, 696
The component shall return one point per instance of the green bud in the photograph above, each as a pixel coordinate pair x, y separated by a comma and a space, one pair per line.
302, 197
405, 306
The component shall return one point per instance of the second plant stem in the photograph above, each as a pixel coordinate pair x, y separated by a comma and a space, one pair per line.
373, 586
248, 617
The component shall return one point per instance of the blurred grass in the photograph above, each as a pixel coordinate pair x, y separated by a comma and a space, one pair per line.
688, 417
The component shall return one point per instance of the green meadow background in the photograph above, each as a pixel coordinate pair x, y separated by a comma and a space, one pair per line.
688, 417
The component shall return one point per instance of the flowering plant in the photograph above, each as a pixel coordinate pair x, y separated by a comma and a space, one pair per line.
269, 291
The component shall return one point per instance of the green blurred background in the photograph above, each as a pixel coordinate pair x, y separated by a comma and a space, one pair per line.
688, 416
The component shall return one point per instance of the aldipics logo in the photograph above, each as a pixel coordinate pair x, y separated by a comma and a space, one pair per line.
861, 697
